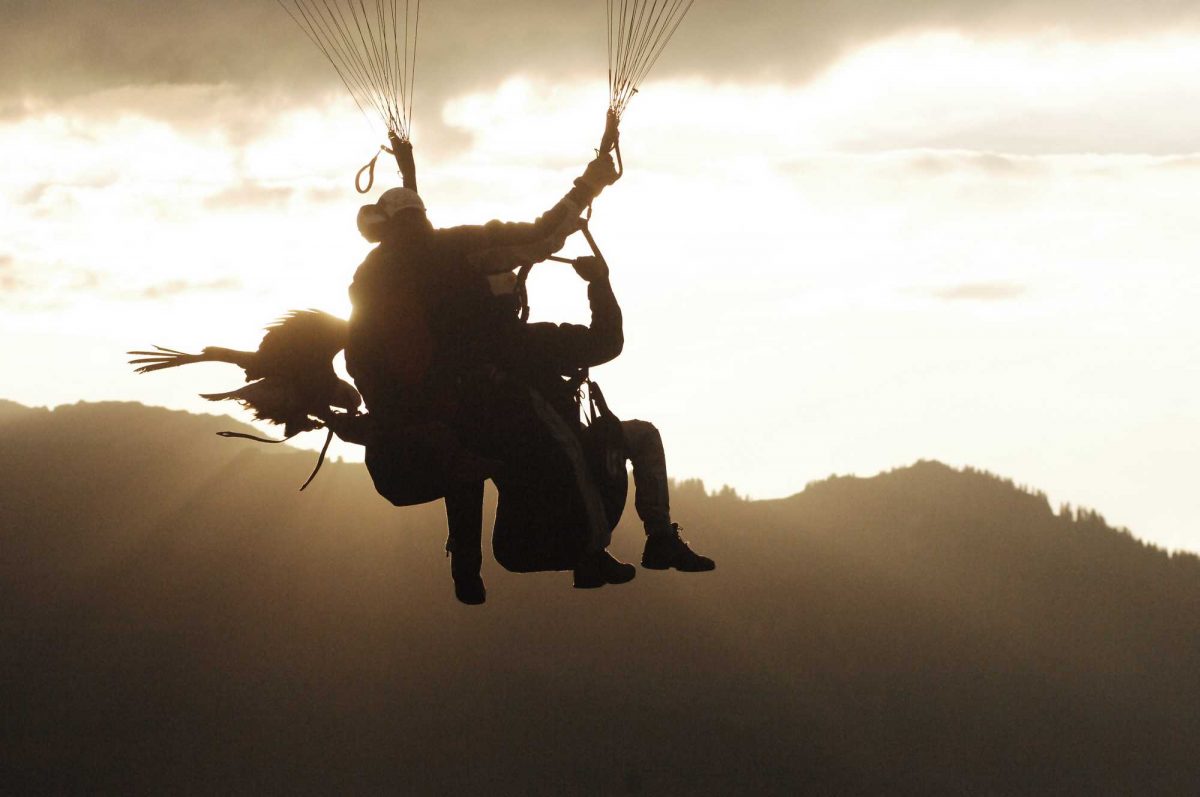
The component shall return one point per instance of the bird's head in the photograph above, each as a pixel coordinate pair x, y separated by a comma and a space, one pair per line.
345, 397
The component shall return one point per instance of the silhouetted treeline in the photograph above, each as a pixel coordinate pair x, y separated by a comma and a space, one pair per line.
178, 619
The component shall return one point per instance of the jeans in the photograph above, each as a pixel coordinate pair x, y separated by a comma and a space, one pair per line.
644, 448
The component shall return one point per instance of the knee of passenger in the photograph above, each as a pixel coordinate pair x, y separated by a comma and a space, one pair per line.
640, 433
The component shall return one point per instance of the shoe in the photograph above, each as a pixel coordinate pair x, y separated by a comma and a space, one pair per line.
468, 584
595, 569
470, 590
666, 549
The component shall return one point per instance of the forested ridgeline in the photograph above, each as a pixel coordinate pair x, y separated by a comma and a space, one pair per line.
177, 617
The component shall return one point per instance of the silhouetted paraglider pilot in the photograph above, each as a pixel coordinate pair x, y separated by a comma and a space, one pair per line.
425, 340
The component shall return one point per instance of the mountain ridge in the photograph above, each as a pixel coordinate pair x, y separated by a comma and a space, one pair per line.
180, 618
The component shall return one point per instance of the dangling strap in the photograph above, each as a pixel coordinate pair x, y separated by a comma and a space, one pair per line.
596, 399
522, 292
257, 439
254, 437
320, 460
577, 382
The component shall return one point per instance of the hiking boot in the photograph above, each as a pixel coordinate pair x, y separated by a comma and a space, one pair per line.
666, 549
597, 568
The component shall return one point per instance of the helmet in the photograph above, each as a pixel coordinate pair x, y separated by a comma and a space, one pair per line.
394, 200
373, 218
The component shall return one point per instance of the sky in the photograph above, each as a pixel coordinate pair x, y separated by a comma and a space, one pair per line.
850, 235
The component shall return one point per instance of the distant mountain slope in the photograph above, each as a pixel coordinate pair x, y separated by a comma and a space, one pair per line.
10, 410
177, 618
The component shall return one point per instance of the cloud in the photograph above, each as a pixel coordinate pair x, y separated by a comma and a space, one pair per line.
20, 289
1180, 163
8, 274
326, 195
57, 285
35, 285
1015, 81
980, 292
934, 164
50, 193
35, 193
248, 195
172, 288
65, 48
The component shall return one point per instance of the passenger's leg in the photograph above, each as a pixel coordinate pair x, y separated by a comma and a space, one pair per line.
665, 549
464, 517
643, 446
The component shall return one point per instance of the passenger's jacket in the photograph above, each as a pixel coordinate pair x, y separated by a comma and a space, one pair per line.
542, 354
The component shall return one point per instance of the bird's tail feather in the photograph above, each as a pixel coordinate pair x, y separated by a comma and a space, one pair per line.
170, 358
162, 358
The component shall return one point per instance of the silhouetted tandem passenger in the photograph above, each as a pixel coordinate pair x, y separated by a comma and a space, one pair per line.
553, 360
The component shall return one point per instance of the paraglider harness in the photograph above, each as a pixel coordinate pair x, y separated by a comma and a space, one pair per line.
601, 436
604, 449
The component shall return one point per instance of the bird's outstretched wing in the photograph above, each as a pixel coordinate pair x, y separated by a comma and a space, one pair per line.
273, 401
299, 342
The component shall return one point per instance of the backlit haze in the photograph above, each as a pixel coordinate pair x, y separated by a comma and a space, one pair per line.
845, 240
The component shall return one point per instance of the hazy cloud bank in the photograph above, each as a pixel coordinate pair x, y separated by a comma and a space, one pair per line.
64, 48
49, 286
44, 287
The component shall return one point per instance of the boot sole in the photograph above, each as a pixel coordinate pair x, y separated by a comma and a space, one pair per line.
599, 584
680, 569
471, 600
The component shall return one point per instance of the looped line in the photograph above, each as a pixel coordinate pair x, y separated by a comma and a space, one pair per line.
370, 170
